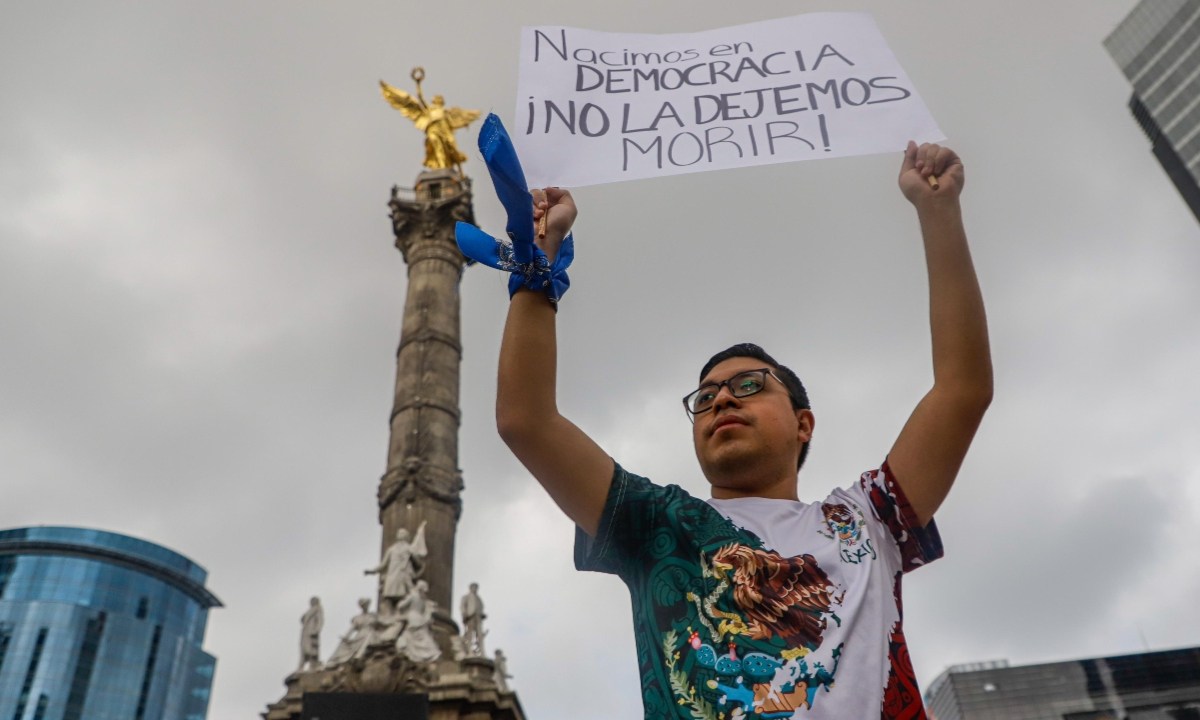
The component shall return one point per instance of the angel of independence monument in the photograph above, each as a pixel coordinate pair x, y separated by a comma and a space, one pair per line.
407, 659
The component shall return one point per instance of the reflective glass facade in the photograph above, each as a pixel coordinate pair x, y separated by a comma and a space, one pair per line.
1161, 685
99, 626
1157, 46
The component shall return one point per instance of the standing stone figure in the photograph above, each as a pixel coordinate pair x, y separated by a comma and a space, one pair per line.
310, 635
500, 673
354, 643
416, 641
473, 617
402, 563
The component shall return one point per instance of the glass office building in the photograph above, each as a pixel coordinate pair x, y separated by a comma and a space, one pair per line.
1157, 46
1161, 685
100, 626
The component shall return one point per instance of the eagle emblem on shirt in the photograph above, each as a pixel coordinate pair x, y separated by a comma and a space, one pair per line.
785, 597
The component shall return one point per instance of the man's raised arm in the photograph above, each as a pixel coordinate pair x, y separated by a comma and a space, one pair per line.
572, 468
930, 449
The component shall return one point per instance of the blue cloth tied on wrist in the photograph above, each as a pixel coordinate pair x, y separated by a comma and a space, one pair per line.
518, 254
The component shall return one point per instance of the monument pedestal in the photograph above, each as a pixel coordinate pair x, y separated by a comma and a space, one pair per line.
455, 690
362, 706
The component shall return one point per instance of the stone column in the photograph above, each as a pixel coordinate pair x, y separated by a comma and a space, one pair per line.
423, 480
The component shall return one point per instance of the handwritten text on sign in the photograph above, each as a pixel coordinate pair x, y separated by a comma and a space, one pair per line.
598, 107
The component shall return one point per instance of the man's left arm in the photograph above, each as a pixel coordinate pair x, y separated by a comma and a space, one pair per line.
930, 449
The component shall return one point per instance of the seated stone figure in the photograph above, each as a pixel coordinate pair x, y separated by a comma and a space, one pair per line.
416, 641
354, 643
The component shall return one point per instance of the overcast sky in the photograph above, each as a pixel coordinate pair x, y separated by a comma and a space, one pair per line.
200, 304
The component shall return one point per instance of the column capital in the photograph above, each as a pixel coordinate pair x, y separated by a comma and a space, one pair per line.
429, 210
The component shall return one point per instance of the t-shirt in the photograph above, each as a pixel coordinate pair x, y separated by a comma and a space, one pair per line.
763, 609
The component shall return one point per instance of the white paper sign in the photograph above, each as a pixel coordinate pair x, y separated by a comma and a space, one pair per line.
596, 107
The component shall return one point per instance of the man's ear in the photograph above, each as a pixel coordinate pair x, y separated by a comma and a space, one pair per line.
807, 422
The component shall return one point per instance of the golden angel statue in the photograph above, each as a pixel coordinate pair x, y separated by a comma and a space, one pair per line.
438, 121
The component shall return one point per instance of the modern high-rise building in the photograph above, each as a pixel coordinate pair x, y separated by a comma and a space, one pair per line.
1162, 685
1157, 46
100, 626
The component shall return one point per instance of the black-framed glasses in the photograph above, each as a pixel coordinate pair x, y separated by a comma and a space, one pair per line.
744, 384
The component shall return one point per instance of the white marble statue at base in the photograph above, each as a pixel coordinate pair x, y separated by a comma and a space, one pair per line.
500, 674
473, 617
402, 563
354, 643
416, 641
311, 624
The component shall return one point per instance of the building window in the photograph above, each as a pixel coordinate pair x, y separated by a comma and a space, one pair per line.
38, 646
148, 675
83, 667
8, 564
6, 633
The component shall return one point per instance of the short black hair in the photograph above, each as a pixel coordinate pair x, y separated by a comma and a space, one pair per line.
791, 382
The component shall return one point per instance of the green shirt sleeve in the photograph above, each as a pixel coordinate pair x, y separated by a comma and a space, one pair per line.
629, 518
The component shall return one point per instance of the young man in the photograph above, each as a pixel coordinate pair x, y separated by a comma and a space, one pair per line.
753, 604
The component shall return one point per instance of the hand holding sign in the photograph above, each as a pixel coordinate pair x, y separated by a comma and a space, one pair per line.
519, 253
927, 164
554, 212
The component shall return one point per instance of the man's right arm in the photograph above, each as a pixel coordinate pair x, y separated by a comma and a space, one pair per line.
568, 464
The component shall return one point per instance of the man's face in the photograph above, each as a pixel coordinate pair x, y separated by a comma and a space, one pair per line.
740, 441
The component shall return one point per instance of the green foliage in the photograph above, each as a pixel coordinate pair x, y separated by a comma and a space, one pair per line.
700, 708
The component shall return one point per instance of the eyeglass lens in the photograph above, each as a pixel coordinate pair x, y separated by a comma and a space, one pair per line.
739, 385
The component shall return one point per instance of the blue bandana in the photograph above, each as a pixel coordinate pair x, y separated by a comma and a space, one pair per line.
518, 254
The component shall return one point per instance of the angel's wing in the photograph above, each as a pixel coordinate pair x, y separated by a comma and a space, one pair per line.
402, 101
460, 118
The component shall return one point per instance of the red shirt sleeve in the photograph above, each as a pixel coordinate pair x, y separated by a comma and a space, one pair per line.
918, 545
